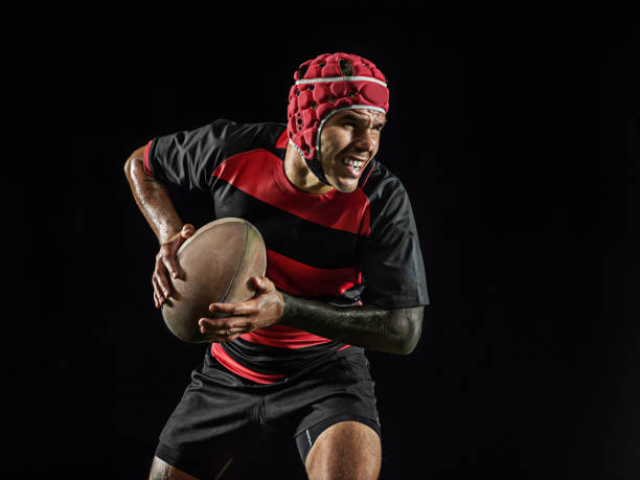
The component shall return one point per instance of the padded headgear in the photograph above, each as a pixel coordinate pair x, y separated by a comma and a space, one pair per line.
328, 84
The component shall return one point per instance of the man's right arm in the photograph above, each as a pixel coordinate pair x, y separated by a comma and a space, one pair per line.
158, 209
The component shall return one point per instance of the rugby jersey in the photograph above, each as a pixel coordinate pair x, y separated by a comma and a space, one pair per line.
347, 249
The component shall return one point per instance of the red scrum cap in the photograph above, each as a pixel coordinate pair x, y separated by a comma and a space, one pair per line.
328, 84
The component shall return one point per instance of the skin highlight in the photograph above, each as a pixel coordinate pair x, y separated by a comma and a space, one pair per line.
158, 209
346, 450
161, 470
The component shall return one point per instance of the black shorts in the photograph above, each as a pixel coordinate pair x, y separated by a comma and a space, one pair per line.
226, 422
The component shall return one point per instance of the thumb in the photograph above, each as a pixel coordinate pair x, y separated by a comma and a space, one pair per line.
261, 283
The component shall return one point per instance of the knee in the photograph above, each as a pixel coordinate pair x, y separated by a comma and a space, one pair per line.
161, 470
346, 450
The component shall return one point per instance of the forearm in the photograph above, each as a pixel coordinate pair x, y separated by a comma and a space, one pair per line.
152, 199
393, 331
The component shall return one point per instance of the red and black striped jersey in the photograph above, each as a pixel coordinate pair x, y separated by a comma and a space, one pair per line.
347, 249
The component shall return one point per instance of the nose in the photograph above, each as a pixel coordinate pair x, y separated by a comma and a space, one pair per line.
365, 140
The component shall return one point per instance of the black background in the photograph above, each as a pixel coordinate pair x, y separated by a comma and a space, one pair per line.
515, 131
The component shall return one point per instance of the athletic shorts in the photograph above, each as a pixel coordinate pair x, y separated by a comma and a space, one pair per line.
227, 423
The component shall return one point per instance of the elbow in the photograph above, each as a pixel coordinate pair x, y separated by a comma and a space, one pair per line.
407, 331
408, 342
135, 163
128, 166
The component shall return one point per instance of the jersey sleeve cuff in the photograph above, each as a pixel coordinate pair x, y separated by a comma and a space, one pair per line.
147, 163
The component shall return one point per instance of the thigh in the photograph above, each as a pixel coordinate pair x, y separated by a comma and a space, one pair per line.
345, 450
214, 427
343, 393
171, 463
215, 404
161, 470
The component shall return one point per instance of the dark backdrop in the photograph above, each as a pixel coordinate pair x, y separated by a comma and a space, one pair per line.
516, 134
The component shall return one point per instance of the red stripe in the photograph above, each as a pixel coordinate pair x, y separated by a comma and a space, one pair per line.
373, 166
230, 364
301, 279
283, 140
147, 169
254, 173
284, 337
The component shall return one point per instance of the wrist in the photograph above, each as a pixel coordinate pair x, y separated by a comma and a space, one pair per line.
288, 306
167, 234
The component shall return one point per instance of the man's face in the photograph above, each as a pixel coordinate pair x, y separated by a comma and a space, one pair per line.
349, 141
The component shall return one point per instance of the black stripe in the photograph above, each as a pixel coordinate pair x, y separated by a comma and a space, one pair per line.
285, 233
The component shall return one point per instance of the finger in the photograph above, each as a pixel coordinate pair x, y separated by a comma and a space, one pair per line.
210, 336
243, 308
213, 325
228, 326
187, 231
159, 299
221, 307
162, 284
170, 262
162, 277
157, 291
220, 334
220, 338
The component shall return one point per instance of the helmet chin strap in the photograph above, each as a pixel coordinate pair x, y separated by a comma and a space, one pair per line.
314, 165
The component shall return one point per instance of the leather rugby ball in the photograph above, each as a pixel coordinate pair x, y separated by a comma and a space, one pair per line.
217, 263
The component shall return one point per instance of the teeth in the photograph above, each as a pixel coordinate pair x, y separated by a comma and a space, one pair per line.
354, 163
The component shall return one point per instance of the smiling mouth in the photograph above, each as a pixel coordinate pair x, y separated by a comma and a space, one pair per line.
353, 163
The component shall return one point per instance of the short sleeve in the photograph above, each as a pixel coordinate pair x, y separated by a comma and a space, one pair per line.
189, 158
391, 261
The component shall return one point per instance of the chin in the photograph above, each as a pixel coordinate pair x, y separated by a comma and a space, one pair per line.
345, 187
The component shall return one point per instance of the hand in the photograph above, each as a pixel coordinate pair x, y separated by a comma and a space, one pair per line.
263, 310
167, 264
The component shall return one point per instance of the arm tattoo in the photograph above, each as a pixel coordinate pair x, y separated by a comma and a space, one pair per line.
394, 331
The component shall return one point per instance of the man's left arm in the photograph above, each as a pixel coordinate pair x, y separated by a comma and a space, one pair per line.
369, 326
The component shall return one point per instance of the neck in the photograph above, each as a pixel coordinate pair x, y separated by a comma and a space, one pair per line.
299, 175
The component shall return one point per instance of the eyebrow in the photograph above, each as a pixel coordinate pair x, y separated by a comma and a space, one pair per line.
361, 118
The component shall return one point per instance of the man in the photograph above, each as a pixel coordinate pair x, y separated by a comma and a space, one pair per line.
344, 273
